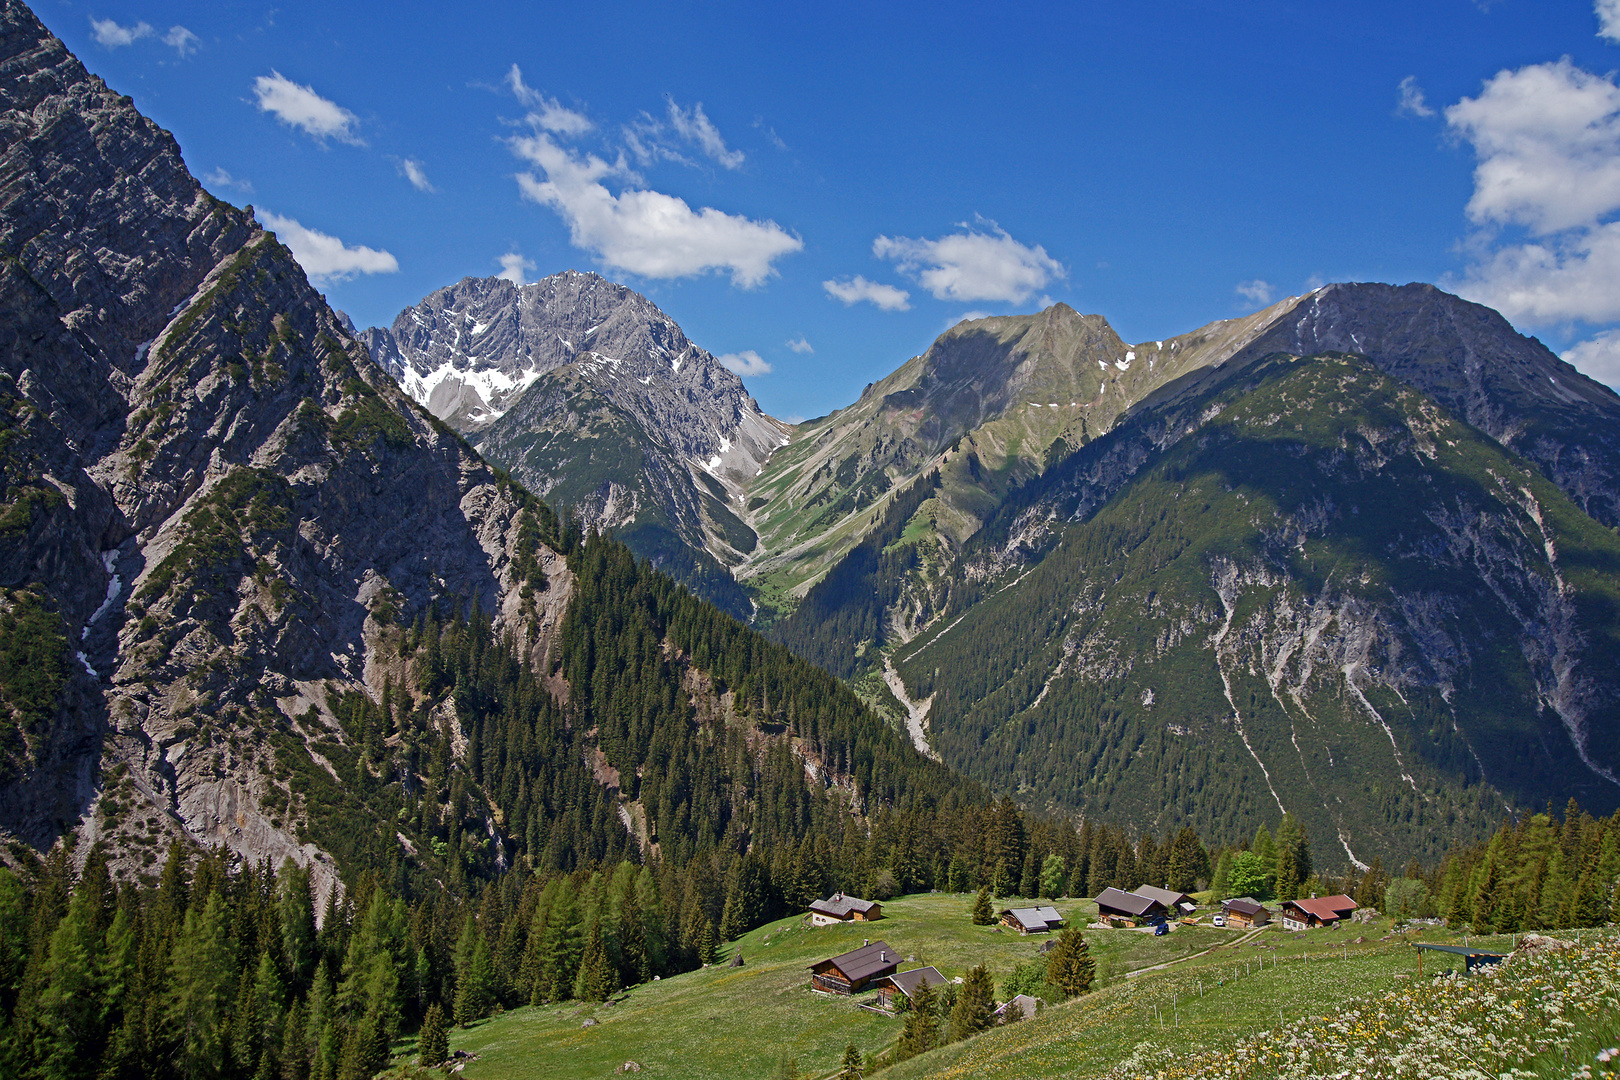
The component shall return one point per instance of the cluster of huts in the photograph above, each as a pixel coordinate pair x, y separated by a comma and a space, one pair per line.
1148, 905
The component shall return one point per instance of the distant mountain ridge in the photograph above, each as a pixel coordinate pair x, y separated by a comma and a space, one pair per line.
594, 398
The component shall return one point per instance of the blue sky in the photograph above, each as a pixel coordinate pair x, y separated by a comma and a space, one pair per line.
817, 194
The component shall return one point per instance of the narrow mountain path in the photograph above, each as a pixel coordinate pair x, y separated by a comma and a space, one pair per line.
916, 711
1196, 955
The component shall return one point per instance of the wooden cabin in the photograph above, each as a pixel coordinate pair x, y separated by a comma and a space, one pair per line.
839, 908
1032, 920
1317, 911
906, 982
854, 971
1246, 913
1179, 903
1118, 904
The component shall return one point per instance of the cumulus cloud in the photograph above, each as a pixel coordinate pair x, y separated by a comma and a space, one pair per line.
1411, 101
801, 345
857, 289
1608, 15
110, 35
972, 264
646, 232
412, 170
546, 113
1256, 291
181, 40
747, 362
301, 107
1547, 139
968, 316
326, 259
697, 129
221, 179
1599, 357
515, 268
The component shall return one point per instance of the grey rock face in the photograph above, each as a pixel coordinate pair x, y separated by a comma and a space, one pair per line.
204, 473
594, 398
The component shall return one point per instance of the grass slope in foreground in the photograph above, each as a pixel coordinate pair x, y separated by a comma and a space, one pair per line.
739, 1022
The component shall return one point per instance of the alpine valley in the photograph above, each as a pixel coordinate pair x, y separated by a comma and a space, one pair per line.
354, 683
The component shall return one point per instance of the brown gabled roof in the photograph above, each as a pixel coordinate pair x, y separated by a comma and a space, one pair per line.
1168, 897
1245, 907
907, 981
1326, 908
838, 905
1120, 900
863, 963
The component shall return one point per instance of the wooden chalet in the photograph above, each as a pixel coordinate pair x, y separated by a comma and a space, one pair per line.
856, 970
1317, 911
1032, 920
839, 908
1245, 912
1119, 904
1179, 903
906, 982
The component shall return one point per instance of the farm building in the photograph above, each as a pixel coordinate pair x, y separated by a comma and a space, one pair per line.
854, 971
1032, 920
1119, 904
906, 982
1245, 912
1021, 1007
839, 908
1317, 911
1178, 902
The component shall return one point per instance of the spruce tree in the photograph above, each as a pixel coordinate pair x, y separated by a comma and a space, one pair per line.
974, 1001
200, 983
983, 914
852, 1064
475, 979
1070, 967
921, 1031
597, 980
433, 1044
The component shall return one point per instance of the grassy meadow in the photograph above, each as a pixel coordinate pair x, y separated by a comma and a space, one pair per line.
1222, 985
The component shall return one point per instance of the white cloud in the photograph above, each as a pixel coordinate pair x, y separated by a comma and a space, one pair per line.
1599, 357
858, 288
547, 113
967, 316
181, 40
745, 363
647, 232
412, 170
972, 265
1256, 291
326, 259
301, 107
110, 35
221, 178
1574, 276
696, 128
1411, 102
801, 345
1548, 141
515, 268
1608, 15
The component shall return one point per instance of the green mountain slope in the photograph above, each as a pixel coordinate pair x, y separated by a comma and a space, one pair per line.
1326, 594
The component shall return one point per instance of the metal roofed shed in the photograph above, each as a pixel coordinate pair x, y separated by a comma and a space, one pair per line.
1121, 904
1032, 920
1473, 956
1170, 898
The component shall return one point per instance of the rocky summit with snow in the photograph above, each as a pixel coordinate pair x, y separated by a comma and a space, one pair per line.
596, 400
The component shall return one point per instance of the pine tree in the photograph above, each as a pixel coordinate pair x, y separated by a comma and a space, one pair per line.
974, 1000
200, 981
68, 1015
433, 1045
983, 914
475, 979
921, 1031
852, 1064
597, 981
1070, 967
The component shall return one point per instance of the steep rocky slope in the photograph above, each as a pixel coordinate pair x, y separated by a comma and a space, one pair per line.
209, 494
595, 399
